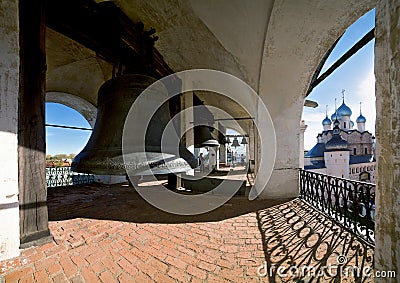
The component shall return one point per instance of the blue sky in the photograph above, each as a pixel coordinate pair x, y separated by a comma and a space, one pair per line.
356, 76
65, 140
68, 141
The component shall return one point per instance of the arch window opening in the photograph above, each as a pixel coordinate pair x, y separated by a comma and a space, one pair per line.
236, 155
347, 73
62, 144
67, 133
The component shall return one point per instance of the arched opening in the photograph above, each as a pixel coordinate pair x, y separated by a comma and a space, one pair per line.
237, 154
65, 140
83, 107
346, 92
344, 89
365, 176
67, 132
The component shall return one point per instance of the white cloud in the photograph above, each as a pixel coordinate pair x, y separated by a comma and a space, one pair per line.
365, 93
314, 117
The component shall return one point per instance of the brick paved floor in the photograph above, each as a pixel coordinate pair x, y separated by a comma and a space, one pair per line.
108, 234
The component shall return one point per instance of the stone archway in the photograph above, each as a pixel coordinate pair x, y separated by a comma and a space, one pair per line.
89, 112
85, 108
292, 51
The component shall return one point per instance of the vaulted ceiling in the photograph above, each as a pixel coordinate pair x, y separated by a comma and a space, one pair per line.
266, 43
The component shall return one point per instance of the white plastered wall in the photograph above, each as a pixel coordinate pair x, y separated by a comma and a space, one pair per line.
387, 72
9, 88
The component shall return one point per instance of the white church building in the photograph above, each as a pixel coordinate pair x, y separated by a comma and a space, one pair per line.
343, 151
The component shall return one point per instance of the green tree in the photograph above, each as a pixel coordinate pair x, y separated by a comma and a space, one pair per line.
60, 156
71, 155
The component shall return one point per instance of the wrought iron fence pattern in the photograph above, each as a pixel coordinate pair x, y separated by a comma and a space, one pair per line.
297, 237
349, 203
63, 176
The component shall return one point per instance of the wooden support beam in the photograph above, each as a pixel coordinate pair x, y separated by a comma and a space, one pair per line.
316, 80
321, 65
310, 103
68, 127
105, 29
31, 129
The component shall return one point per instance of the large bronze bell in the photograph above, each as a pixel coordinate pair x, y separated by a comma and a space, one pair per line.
103, 152
203, 136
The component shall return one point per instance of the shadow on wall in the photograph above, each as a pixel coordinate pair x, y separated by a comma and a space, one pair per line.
302, 245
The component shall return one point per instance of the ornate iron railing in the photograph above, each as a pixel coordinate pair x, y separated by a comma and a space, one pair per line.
349, 203
63, 176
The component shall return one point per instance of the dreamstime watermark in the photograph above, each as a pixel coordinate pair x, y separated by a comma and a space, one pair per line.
331, 270
144, 109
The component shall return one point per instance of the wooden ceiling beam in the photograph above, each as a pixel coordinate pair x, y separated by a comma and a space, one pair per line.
105, 29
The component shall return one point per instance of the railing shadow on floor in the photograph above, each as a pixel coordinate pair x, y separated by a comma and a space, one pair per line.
303, 245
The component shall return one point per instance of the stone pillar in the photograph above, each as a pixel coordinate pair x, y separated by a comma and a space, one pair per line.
212, 158
251, 146
9, 88
222, 154
303, 128
31, 130
387, 72
217, 158
186, 123
221, 149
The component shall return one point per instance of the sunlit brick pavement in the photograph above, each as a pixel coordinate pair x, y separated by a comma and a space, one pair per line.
108, 234
128, 249
92, 250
